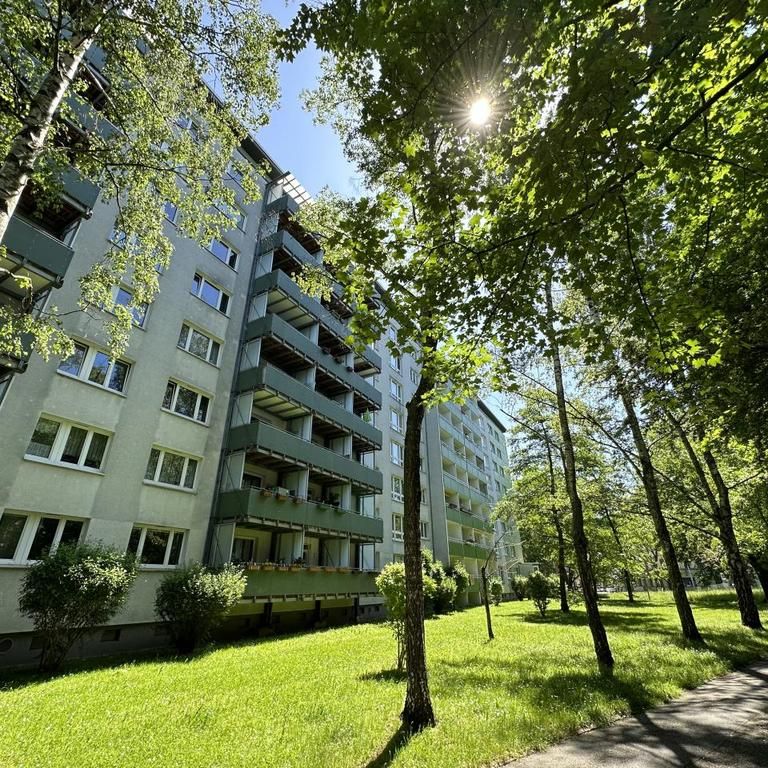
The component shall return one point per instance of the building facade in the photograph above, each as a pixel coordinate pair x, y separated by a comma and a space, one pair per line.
241, 426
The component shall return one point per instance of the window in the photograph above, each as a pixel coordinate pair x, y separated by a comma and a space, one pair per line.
397, 488
96, 367
396, 391
199, 344
25, 537
209, 293
397, 527
395, 364
118, 237
223, 252
62, 443
186, 402
237, 168
392, 333
424, 529
156, 546
123, 297
243, 550
396, 420
168, 468
250, 481
171, 211
396, 453
414, 376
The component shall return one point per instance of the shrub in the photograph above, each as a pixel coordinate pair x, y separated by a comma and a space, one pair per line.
540, 589
391, 583
445, 595
193, 601
518, 584
71, 591
459, 574
496, 588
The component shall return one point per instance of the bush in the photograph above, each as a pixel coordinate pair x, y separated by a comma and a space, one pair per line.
391, 583
193, 601
445, 595
519, 584
72, 591
439, 595
496, 589
540, 589
459, 574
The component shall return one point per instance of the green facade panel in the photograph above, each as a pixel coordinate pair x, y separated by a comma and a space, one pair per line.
306, 584
37, 247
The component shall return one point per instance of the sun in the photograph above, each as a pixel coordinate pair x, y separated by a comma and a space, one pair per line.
480, 111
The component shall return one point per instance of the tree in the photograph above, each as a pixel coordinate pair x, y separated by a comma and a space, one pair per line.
155, 133
70, 592
391, 583
193, 601
496, 589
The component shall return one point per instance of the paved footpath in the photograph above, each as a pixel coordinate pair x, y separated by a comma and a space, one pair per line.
722, 724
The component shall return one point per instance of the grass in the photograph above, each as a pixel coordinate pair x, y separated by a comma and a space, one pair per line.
330, 698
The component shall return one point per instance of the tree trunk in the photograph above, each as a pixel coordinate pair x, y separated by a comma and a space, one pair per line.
648, 476
417, 713
750, 616
723, 517
486, 602
28, 143
625, 572
762, 573
563, 586
580, 543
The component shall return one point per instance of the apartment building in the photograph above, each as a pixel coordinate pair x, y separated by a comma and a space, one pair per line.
241, 426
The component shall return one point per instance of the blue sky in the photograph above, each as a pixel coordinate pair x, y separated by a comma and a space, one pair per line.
311, 152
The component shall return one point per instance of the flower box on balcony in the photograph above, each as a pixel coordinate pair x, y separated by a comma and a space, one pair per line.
296, 568
344, 569
266, 492
331, 569
283, 567
254, 567
315, 568
268, 566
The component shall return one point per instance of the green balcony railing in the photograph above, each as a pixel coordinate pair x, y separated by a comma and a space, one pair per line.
79, 188
464, 549
309, 585
283, 203
264, 506
464, 518
285, 240
37, 247
451, 483
277, 442
272, 325
266, 376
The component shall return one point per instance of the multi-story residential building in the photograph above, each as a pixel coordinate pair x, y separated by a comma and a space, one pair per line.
240, 426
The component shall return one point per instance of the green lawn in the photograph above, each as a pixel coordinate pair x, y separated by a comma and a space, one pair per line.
328, 698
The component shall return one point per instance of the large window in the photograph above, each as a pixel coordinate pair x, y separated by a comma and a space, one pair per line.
156, 546
224, 252
396, 420
396, 390
414, 376
395, 364
173, 469
397, 488
123, 297
60, 442
397, 453
25, 536
96, 367
186, 402
397, 527
199, 344
209, 293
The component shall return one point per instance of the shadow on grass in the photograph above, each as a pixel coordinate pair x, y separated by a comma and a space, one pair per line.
385, 676
389, 751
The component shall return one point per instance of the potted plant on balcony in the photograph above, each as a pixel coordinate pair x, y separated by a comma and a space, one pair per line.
315, 568
266, 491
282, 566
298, 564
253, 566
296, 499
268, 566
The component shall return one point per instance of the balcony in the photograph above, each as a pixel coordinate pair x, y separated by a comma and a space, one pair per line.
284, 203
37, 250
78, 188
266, 378
469, 520
463, 549
276, 327
451, 483
294, 450
265, 508
268, 586
284, 240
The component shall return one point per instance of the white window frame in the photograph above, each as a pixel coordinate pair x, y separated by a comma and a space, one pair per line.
211, 341
397, 460
158, 468
396, 390
142, 538
133, 310
396, 425
233, 255
172, 219
232, 173
222, 292
424, 529
60, 442
87, 366
397, 527
174, 399
395, 363
414, 376
29, 531
397, 489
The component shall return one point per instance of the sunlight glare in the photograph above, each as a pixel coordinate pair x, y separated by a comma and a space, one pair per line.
480, 111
